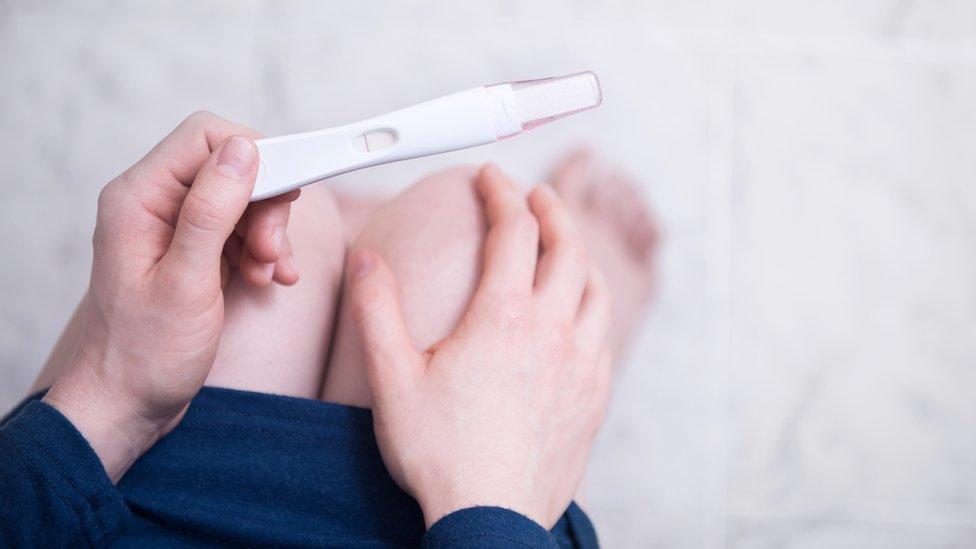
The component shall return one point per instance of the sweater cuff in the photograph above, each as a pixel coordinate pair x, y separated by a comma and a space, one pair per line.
69, 467
486, 528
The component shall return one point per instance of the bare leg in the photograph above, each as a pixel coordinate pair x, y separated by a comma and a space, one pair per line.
276, 339
356, 211
620, 235
430, 235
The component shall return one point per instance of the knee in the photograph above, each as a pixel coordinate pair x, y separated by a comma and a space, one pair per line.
431, 236
438, 220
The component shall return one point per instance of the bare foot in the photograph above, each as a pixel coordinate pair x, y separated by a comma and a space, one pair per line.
620, 235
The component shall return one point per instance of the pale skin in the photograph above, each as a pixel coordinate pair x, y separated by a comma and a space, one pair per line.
535, 320
553, 376
146, 332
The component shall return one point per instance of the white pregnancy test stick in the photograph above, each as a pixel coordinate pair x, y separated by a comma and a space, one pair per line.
457, 121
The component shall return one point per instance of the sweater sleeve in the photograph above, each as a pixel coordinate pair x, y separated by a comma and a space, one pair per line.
55, 491
487, 528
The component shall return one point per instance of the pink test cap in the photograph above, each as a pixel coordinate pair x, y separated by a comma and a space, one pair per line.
526, 104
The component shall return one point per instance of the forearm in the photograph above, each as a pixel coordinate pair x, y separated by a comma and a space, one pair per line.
63, 352
103, 422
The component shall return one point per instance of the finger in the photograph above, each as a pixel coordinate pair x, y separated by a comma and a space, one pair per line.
216, 200
573, 177
263, 227
285, 271
181, 153
265, 232
254, 272
562, 272
512, 242
392, 362
159, 181
593, 321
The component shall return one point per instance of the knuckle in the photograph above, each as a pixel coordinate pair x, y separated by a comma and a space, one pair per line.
202, 213
109, 211
108, 197
200, 118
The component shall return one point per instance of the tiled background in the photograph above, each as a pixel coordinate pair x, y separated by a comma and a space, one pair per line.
808, 376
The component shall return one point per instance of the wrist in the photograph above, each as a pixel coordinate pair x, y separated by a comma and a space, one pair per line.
107, 418
476, 492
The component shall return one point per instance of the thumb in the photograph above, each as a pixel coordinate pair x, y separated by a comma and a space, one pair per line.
217, 199
392, 362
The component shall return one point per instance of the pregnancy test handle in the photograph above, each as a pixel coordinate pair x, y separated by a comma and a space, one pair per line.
451, 122
465, 119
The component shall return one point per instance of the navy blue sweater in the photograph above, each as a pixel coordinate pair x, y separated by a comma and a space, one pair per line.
241, 468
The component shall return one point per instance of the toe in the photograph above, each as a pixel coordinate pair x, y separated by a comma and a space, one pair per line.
643, 238
572, 177
627, 207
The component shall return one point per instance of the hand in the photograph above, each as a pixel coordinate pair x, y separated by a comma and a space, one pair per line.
503, 411
148, 327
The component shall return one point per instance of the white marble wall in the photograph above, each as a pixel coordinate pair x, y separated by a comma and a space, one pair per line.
808, 377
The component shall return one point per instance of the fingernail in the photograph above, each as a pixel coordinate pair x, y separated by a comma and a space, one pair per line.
277, 239
268, 269
236, 157
363, 263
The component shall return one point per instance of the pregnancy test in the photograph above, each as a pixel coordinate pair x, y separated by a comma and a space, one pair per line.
457, 121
